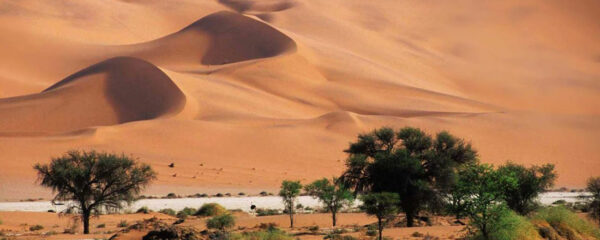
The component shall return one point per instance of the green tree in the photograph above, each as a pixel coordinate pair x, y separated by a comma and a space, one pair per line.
221, 222
419, 168
593, 187
486, 188
332, 194
94, 181
289, 192
381, 205
530, 183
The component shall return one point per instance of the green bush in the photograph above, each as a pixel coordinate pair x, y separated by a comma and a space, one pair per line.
36, 227
261, 235
185, 212
266, 212
334, 236
171, 195
210, 210
122, 224
168, 211
143, 210
560, 217
221, 222
372, 230
511, 226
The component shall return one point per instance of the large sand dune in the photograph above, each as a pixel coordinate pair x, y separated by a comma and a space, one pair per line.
241, 94
115, 91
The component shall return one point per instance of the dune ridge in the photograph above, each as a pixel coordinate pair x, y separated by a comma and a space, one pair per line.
117, 90
220, 38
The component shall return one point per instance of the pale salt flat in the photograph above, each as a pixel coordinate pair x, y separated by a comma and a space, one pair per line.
242, 203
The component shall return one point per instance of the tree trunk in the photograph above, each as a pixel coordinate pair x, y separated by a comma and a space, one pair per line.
380, 226
86, 221
333, 217
410, 219
291, 218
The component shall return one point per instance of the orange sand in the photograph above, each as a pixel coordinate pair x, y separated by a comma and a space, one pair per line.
241, 94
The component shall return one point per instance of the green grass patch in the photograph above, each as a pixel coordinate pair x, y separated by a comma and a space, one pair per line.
563, 220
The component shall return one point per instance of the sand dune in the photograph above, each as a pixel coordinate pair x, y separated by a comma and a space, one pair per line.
242, 94
114, 91
219, 38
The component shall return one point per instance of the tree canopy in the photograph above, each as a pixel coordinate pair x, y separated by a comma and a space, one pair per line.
332, 194
381, 205
409, 162
593, 186
289, 192
484, 188
95, 181
530, 182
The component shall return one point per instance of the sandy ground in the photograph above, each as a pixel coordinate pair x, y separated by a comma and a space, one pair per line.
18, 223
243, 94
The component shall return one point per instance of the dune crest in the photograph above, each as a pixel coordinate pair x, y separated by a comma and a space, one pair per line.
220, 38
117, 90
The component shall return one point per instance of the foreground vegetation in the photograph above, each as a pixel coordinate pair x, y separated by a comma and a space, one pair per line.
403, 178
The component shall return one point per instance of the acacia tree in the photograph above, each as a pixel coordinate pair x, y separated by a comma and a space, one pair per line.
382, 205
593, 186
419, 168
94, 181
485, 188
530, 183
332, 194
289, 192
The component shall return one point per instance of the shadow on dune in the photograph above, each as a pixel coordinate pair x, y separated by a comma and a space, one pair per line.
255, 6
219, 38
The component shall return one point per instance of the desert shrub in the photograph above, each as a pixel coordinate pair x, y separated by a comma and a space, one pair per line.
210, 210
241, 194
263, 193
221, 222
173, 233
334, 236
261, 235
268, 226
144, 210
562, 219
122, 224
372, 230
313, 228
417, 234
168, 211
101, 225
511, 226
171, 195
266, 212
219, 195
36, 227
185, 212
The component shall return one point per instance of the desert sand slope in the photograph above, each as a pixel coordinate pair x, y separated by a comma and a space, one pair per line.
241, 94
114, 91
219, 38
